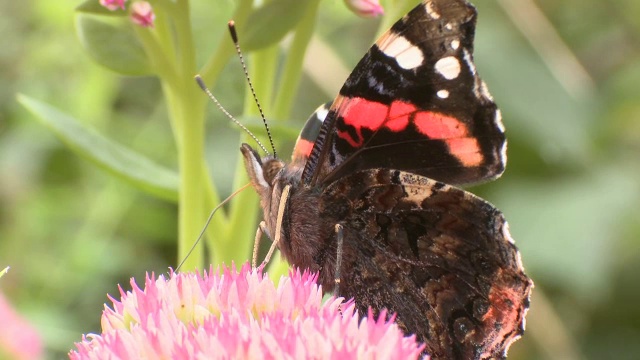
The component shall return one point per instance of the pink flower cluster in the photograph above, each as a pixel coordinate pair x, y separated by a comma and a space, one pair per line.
240, 315
141, 11
18, 339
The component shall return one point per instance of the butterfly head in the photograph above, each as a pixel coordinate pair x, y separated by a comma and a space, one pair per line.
262, 171
267, 177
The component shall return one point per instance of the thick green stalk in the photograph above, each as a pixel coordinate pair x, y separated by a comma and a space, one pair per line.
190, 155
163, 30
292, 70
190, 120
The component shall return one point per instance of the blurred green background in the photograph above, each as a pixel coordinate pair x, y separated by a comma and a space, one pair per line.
566, 74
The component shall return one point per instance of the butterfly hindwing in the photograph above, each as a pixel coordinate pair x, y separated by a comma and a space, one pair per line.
415, 103
440, 257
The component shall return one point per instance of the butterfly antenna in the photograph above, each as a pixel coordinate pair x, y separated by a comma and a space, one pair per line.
208, 222
234, 37
204, 88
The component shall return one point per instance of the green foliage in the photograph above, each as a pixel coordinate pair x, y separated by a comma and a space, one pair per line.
113, 46
269, 24
94, 7
116, 159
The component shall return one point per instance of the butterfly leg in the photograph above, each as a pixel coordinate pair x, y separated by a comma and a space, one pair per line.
283, 204
256, 243
340, 239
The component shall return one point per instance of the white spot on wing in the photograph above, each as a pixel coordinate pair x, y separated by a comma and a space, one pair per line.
448, 67
431, 11
398, 47
455, 44
443, 94
448, 26
321, 113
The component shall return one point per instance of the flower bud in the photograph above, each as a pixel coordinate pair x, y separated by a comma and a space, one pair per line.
113, 4
365, 8
142, 14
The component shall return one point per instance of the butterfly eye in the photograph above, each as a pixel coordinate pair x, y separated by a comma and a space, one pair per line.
271, 169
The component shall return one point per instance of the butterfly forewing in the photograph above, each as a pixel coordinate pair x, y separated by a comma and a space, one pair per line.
415, 103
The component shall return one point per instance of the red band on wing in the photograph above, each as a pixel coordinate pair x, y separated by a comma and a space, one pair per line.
399, 113
439, 126
359, 113
466, 150
455, 134
302, 149
362, 113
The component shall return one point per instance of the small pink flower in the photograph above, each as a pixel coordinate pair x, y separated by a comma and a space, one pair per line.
113, 4
142, 14
18, 339
240, 315
365, 8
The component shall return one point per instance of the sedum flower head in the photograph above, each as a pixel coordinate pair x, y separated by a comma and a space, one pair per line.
243, 315
18, 339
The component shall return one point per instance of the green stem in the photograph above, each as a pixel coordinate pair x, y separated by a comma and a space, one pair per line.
186, 49
189, 118
262, 70
164, 68
159, 59
162, 28
293, 65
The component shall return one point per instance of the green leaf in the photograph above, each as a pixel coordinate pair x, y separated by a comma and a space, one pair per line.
116, 159
278, 129
267, 25
114, 47
94, 7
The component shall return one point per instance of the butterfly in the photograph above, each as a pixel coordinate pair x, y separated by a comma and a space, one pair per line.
369, 199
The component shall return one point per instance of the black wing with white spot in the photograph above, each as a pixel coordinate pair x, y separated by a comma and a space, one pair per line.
415, 103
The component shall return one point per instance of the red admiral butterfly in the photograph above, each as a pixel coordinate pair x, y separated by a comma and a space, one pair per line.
366, 201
